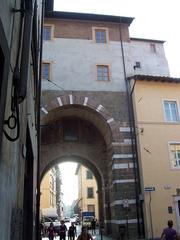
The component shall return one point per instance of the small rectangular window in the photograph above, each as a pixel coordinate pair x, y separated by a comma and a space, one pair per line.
175, 155
153, 47
171, 111
89, 174
170, 211
90, 192
103, 73
70, 130
47, 33
46, 71
100, 36
178, 191
91, 208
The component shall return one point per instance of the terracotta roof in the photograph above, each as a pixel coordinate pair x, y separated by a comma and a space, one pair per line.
154, 78
88, 17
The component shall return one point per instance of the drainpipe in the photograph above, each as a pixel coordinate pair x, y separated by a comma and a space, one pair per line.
133, 139
130, 92
38, 237
26, 50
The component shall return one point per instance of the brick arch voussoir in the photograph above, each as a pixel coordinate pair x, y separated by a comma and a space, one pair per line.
72, 99
86, 101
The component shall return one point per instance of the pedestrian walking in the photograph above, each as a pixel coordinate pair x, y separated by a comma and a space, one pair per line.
42, 229
93, 226
84, 234
169, 233
72, 232
62, 230
50, 231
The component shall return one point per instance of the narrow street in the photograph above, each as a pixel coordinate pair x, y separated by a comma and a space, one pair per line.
97, 236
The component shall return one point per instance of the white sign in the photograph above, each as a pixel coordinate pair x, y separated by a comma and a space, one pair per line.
149, 189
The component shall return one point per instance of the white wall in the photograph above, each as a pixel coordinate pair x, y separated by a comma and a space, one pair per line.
151, 63
74, 63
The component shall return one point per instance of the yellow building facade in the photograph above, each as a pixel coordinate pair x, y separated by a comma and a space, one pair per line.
156, 104
87, 191
48, 190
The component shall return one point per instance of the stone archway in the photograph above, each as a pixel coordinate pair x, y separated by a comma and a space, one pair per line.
88, 164
112, 146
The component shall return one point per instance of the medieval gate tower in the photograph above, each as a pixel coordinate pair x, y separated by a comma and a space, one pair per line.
86, 115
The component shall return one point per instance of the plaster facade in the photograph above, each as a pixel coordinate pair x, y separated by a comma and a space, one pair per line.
86, 203
155, 135
48, 190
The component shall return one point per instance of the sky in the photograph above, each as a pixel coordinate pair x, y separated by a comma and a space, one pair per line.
154, 19
69, 182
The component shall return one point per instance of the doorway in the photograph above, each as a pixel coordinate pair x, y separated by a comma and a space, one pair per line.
28, 218
177, 211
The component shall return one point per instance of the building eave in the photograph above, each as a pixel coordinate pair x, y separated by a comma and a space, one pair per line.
147, 40
88, 17
151, 78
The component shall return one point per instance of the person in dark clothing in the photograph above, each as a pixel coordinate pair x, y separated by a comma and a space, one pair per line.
51, 232
84, 234
62, 231
72, 232
93, 226
169, 233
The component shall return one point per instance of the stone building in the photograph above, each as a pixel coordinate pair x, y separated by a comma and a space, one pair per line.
85, 114
20, 48
87, 192
48, 190
51, 193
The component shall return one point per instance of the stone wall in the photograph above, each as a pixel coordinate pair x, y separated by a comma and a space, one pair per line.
113, 160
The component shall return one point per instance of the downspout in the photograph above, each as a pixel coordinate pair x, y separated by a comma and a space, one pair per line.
38, 237
130, 92
26, 50
133, 137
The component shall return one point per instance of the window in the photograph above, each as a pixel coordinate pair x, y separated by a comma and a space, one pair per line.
153, 47
171, 111
170, 210
91, 208
90, 192
175, 155
177, 191
103, 73
89, 174
46, 71
70, 130
47, 32
100, 36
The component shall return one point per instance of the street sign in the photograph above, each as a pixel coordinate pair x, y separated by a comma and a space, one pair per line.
149, 189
